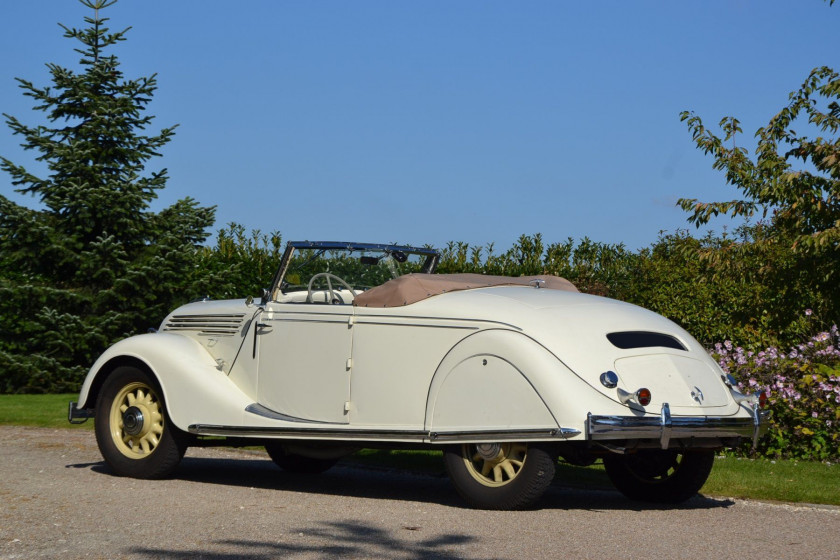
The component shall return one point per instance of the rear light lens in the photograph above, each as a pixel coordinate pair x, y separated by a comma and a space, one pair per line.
762, 399
643, 397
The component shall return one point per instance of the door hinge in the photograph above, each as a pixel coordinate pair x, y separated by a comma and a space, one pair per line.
349, 364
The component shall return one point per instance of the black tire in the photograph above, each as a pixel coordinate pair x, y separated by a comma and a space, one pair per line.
504, 476
660, 476
133, 431
297, 463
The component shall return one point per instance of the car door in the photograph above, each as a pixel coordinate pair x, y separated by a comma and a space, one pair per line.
304, 360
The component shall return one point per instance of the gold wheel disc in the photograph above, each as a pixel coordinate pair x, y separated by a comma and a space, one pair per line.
136, 421
494, 464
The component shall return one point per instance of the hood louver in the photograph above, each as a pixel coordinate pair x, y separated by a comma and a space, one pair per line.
210, 325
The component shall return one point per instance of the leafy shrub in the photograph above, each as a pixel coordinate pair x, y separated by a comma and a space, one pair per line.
803, 385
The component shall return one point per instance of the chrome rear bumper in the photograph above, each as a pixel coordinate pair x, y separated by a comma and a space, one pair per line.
665, 427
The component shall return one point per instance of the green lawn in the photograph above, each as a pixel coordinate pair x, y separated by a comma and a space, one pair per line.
47, 411
760, 479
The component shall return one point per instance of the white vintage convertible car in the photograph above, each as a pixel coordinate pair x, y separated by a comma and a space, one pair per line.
361, 345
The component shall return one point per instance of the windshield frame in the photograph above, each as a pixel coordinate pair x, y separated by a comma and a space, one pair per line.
429, 265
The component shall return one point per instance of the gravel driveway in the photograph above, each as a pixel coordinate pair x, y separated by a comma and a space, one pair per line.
60, 500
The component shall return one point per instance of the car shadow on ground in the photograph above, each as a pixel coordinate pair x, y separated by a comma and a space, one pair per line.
326, 540
371, 482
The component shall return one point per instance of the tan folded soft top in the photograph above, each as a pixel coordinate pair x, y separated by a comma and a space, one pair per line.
412, 288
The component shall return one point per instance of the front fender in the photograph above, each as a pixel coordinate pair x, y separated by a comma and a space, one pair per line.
194, 388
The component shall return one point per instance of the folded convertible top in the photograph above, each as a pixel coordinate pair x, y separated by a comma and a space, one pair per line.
412, 288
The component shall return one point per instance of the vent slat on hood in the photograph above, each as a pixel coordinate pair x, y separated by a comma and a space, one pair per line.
219, 325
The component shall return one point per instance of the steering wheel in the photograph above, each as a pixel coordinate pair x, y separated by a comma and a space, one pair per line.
334, 297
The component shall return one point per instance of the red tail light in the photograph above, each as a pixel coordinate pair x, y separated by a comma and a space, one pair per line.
643, 397
762, 399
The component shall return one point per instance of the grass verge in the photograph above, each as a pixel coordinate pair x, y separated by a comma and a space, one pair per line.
46, 411
757, 479
732, 477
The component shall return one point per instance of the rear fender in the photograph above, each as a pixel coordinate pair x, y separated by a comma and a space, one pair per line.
497, 380
504, 380
194, 388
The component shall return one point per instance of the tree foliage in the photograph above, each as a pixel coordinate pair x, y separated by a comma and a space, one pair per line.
791, 183
793, 180
803, 202
93, 263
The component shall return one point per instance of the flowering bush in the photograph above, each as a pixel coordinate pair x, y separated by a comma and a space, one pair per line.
803, 386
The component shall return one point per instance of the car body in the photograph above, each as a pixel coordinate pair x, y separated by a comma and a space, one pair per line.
362, 345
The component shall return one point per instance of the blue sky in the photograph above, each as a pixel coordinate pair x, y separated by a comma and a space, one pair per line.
427, 122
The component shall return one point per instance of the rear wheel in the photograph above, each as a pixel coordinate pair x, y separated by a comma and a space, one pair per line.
297, 463
133, 432
500, 475
660, 476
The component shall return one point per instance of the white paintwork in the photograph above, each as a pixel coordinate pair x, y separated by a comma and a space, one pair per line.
303, 353
394, 360
421, 368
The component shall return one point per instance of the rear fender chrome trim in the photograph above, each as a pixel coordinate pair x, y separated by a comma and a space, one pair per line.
517, 435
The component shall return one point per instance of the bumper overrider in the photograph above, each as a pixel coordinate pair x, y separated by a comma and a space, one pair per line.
666, 428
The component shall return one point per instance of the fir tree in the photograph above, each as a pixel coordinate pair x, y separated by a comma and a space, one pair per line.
94, 263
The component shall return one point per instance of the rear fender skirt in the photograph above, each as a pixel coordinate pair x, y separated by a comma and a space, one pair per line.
504, 380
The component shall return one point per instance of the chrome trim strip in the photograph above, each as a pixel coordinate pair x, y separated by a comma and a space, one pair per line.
496, 435
360, 321
265, 412
394, 435
301, 433
360, 317
340, 320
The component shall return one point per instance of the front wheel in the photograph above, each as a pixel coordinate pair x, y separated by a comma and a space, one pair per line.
500, 475
660, 476
133, 432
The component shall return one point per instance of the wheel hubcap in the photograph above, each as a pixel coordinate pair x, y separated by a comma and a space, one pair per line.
489, 451
133, 421
494, 464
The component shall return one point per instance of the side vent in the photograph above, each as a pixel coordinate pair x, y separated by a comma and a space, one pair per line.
644, 339
207, 325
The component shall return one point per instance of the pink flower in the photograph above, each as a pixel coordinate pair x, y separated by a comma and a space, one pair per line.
809, 312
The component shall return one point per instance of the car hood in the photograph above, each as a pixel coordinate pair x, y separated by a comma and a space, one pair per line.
219, 326
574, 327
